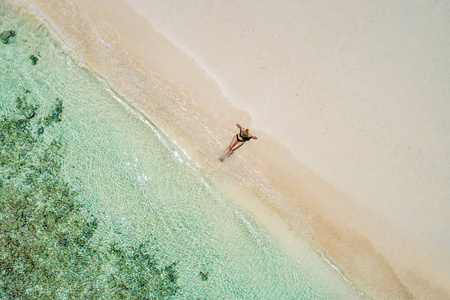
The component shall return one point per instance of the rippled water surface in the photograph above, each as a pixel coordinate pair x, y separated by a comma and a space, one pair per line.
96, 203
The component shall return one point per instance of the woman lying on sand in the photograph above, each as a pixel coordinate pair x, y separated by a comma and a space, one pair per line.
237, 141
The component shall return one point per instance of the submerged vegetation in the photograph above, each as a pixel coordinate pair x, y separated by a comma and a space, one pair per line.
50, 246
6, 35
34, 59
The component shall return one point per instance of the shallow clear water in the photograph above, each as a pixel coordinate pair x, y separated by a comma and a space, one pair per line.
96, 203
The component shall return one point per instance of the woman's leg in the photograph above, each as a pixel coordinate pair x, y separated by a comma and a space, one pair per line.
228, 150
237, 145
233, 148
233, 142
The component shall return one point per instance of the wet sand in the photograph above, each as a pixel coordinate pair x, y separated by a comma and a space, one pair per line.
283, 187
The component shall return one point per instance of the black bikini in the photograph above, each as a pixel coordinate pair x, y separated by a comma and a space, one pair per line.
241, 138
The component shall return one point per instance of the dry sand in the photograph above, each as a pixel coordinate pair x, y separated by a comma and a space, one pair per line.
349, 102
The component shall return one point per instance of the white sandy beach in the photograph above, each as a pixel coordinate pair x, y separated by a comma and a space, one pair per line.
349, 100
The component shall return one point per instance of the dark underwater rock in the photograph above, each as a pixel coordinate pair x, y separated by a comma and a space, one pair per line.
34, 59
28, 110
170, 272
203, 276
21, 125
40, 130
55, 116
6, 35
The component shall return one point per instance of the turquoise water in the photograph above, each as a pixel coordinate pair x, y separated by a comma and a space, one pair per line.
96, 203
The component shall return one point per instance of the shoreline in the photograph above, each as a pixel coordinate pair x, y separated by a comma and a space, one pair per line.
328, 226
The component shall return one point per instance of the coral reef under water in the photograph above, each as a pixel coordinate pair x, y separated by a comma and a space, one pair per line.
34, 59
6, 35
47, 244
